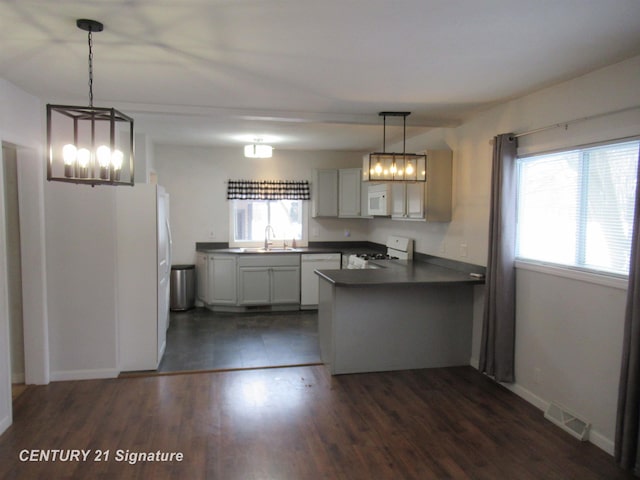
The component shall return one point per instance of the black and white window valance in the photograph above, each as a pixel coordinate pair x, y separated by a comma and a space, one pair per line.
268, 190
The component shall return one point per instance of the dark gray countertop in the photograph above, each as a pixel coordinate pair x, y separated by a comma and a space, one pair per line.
398, 272
272, 250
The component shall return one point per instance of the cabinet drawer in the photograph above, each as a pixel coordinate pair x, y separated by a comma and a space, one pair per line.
269, 260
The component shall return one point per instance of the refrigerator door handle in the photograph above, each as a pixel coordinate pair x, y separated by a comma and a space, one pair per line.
170, 244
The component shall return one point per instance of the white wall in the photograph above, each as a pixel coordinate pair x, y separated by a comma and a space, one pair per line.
195, 179
81, 274
568, 332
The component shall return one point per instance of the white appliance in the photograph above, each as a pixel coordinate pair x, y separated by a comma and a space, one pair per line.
144, 271
398, 248
309, 286
379, 199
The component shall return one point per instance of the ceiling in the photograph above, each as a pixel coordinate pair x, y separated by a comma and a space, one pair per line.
306, 74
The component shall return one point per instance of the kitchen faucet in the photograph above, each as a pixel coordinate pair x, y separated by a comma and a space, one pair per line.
266, 236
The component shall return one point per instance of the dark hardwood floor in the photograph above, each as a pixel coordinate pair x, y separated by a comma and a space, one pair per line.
199, 339
297, 423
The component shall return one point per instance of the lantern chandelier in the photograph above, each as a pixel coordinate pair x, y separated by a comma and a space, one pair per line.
90, 145
395, 167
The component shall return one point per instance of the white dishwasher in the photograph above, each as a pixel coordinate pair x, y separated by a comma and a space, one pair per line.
309, 280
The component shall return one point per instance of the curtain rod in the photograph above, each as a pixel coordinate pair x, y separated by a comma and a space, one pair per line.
576, 120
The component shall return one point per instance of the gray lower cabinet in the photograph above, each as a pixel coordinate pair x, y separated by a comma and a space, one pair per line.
254, 283
244, 280
202, 277
285, 284
222, 280
268, 279
216, 279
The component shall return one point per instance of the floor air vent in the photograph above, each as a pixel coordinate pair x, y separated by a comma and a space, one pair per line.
568, 421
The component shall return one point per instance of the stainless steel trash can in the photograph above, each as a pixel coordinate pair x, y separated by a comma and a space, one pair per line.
182, 287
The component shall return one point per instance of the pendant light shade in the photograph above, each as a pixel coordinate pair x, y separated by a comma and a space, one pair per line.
395, 167
90, 145
258, 150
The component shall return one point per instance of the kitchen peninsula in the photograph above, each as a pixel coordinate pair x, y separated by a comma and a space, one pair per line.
400, 315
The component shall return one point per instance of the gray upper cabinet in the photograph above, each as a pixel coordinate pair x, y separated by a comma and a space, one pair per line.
325, 193
437, 189
338, 193
430, 200
349, 192
407, 200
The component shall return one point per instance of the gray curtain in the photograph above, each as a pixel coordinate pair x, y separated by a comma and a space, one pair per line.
498, 329
627, 447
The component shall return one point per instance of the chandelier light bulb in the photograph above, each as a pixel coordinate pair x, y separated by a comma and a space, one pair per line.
117, 159
83, 158
409, 169
378, 168
393, 168
103, 154
69, 152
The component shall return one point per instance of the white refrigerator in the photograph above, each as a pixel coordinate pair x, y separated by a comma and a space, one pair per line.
144, 270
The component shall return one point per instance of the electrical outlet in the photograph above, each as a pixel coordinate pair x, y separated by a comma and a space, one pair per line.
314, 232
463, 250
347, 233
212, 234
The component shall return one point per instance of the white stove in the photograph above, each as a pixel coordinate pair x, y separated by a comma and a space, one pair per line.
398, 248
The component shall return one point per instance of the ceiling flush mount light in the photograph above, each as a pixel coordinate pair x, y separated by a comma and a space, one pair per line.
90, 145
395, 167
258, 150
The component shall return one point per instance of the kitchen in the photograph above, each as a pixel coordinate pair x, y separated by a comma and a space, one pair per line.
551, 364
201, 195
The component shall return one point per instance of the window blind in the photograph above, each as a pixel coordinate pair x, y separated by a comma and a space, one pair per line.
268, 190
576, 207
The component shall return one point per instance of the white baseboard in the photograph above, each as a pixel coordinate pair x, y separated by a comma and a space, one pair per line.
602, 442
17, 377
84, 374
528, 395
5, 423
595, 437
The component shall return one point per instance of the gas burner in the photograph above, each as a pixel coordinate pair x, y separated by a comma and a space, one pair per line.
375, 256
397, 248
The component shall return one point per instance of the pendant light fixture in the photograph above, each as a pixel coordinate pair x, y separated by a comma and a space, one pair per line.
90, 145
258, 150
395, 167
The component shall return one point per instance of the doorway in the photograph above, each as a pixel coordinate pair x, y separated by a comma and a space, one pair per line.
14, 267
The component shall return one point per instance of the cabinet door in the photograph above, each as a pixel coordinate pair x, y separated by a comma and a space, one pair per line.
254, 285
285, 285
223, 284
325, 193
415, 200
438, 187
201, 276
398, 199
349, 192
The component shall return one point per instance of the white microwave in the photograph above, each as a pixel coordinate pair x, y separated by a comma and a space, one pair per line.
379, 197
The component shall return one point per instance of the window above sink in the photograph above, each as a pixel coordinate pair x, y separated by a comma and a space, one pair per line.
249, 219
